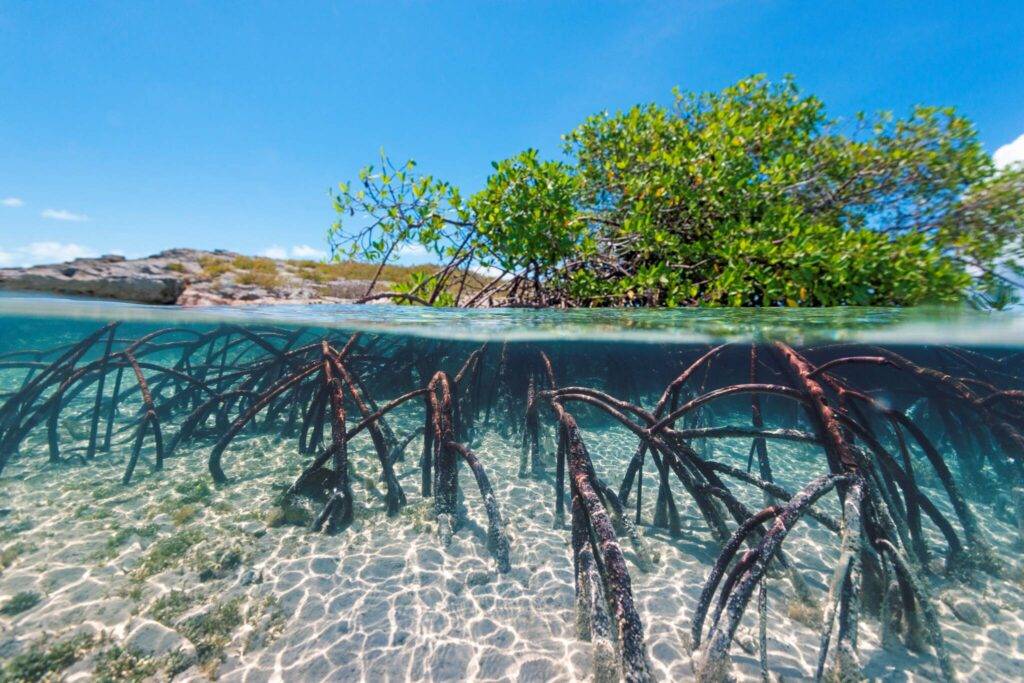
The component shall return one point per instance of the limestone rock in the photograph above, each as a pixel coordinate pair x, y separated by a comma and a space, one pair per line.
107, 277
187, 277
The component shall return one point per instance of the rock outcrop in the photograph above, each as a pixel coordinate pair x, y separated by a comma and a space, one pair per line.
106, 277
190, 277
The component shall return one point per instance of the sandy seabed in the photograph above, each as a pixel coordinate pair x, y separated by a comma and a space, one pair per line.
195, 583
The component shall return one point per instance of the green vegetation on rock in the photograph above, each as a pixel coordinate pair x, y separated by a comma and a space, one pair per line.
752, 196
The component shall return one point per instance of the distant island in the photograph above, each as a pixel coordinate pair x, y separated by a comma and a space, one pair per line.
194, 277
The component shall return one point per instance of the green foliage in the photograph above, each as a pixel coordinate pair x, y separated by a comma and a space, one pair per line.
258, 271
526, 213
404, 209
42, 660
20, 602
259, 279
257, 264
214, 266
419, 282
751, 196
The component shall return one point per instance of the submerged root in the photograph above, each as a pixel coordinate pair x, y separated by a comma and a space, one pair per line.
896, 482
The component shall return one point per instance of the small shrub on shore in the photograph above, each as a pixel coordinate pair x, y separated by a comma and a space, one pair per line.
259, 279
258, 264
213, 267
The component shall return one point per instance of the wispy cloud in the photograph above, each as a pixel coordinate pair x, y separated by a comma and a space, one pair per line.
63, 215
304, 251
43, 252
13, 202
1010, 153
414, 254
299, 251
275, 251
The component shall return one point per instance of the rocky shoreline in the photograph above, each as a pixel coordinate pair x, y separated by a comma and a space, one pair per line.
193, 277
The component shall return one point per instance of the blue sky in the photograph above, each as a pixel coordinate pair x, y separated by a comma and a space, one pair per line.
133, 127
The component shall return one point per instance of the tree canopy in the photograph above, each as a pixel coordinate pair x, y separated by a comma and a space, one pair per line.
752, 196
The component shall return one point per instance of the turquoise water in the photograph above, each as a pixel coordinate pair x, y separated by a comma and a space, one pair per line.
378, 492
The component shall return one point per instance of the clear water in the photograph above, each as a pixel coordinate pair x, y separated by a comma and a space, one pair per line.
192, 570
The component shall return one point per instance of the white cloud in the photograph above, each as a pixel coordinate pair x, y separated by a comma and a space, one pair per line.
277, 252
304, 251
1010, 153
63, 215
299, 251
414, 254
13, 202
43, 252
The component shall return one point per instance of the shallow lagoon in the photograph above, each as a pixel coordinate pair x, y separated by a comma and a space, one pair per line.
175, 574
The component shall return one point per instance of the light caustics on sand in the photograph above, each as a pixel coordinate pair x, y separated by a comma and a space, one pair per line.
233, 379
